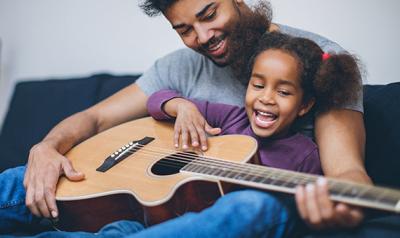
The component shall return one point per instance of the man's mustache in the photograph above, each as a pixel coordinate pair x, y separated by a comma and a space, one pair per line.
214, 40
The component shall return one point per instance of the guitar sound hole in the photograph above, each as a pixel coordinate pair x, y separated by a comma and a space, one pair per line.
172, 164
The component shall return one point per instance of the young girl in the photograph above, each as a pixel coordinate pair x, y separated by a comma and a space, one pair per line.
288, 77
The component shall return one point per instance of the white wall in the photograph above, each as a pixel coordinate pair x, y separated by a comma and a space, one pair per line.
65, 38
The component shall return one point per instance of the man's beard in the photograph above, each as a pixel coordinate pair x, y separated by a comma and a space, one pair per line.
241, 38
245, 39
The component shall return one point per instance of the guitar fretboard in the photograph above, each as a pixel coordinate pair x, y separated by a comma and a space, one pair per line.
286, 181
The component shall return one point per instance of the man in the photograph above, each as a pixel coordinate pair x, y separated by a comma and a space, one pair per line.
208, 27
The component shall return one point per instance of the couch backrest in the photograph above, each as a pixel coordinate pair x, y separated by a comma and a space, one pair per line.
37, 106
382, 123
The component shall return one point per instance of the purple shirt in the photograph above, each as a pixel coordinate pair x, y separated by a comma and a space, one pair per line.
295, 152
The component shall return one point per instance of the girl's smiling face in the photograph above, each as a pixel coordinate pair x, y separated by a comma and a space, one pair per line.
274, 97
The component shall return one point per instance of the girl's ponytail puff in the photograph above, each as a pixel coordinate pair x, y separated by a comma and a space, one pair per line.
337, 81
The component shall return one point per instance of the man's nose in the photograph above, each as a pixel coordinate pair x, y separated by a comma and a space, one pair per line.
203, 33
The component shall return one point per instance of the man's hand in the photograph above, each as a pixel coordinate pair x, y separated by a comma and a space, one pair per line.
45, 166
319, 212
190, 125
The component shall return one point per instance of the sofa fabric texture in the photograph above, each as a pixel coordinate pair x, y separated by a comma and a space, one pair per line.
37, 106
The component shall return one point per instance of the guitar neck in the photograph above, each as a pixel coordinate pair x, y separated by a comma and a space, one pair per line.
286, 181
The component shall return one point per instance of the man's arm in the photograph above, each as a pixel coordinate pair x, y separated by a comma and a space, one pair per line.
340, 135
46, 161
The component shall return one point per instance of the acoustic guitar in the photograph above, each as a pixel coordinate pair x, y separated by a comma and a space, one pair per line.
133, 171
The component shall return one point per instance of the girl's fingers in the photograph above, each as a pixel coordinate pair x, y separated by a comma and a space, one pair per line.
185, 138
203, 137
177, 135
193, 135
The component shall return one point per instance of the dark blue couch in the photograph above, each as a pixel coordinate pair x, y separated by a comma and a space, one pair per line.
37, 106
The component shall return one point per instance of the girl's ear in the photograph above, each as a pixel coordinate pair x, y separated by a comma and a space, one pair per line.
306, 107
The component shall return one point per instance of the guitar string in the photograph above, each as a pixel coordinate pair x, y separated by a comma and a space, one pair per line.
202, 160
351, 196
244, 169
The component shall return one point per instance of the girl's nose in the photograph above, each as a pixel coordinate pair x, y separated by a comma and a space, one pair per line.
267, 97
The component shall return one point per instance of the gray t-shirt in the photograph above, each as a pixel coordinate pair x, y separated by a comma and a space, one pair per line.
197, 77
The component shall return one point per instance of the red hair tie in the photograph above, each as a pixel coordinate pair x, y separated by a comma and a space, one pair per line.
325, 56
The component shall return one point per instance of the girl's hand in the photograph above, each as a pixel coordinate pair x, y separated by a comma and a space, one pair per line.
190, 125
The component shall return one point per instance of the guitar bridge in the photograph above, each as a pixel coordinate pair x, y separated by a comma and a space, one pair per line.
122, 153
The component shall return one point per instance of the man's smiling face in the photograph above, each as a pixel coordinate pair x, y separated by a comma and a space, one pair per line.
206, 26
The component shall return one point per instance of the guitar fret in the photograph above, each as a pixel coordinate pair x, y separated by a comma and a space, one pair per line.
257, 179
215, 171
197, 168
203, 169
269, 179
241, 176
339, 188
383, 198
294, 181
354, 192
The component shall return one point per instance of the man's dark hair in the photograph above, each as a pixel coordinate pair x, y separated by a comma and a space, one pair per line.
155, 7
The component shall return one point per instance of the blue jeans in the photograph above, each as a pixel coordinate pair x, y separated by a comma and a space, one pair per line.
245, 213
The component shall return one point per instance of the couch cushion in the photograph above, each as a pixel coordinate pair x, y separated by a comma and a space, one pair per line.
37, 106
111, 84
382, 122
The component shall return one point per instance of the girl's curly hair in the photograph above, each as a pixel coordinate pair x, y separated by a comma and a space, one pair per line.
333, 82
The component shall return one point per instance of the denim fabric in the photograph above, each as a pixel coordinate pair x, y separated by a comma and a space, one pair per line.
13, 212
243, 214
239, 214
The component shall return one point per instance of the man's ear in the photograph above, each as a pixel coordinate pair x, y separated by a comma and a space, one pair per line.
239, 1
306, 107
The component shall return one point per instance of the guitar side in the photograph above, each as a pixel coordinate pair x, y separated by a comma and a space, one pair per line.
132, 179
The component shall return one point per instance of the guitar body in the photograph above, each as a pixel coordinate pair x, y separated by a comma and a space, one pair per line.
133, 189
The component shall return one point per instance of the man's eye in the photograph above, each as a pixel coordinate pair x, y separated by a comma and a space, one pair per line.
185, 32
210, 16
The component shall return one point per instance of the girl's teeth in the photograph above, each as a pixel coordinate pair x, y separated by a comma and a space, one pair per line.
265, 113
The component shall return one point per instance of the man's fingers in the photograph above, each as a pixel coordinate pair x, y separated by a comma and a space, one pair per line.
70, 172
51, 202
326, 206
349, 216
29, 201
301, 202
342, 211
40, 200
356, 215
49, 194
315, 219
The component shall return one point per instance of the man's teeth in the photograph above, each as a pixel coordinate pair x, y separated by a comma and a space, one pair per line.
216, 47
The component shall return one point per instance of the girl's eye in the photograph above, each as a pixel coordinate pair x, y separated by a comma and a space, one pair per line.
258, 86
283, 93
